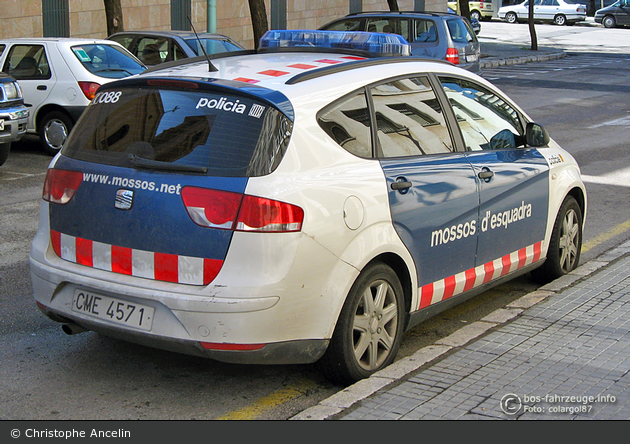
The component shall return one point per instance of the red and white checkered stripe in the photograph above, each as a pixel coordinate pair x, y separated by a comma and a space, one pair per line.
139, 263
474, 277
268, 73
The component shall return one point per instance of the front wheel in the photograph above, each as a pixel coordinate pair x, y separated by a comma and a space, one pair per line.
511, 17
560, 20
4, 152
369, 330
565, 245
53, 131
609, 22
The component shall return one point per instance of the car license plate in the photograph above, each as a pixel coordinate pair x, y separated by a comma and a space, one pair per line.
113, 310
471, 58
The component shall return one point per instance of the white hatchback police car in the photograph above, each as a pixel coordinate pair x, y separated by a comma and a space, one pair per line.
306, 202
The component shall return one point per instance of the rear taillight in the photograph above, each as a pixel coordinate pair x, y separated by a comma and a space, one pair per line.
234, 211
452, 55
89, 89
61, 185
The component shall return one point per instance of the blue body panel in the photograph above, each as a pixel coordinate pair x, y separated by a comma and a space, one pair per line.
157, 220
452, 221
514, 203
443, 195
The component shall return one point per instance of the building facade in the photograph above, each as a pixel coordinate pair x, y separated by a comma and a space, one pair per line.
86, 18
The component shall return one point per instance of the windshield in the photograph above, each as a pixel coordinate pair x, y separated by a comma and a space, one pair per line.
212, 46
198, 131
107, 61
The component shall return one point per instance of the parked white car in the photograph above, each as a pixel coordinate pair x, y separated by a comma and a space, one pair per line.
559, 12
59, 77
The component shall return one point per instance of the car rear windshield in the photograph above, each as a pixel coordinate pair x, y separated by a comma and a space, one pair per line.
211, 46
107, 61
204, 132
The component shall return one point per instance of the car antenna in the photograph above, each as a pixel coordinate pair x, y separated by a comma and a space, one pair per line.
211, 67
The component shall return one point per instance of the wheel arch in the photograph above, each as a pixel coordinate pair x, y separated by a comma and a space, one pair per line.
49, 108
398, 264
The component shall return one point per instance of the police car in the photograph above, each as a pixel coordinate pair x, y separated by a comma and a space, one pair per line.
306, 202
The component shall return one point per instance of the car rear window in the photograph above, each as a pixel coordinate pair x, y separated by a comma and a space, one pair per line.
107, 61
205, 132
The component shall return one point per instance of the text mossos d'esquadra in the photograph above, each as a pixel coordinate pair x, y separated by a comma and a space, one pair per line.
489, 221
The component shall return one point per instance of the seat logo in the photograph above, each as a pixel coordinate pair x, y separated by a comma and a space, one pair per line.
124, 199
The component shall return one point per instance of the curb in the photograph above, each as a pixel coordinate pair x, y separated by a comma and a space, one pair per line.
390, 375
492, 62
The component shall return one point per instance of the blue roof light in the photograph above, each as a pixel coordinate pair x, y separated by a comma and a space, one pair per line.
373, 42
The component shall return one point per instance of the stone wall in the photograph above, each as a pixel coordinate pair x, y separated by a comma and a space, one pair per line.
23, 18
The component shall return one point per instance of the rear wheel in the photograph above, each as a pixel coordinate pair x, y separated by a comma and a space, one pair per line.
511, 17
4, 151
369, 330
53, 131
565, 245
560, 20
476, 15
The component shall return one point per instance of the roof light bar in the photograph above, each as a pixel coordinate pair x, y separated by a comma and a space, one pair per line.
372, 42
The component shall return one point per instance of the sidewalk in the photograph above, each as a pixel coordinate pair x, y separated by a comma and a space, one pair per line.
561, 352
495, 54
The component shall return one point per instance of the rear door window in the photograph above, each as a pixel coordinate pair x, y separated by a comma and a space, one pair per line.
202, 132
409, 119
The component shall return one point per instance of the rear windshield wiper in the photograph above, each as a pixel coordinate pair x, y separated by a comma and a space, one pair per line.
141, 162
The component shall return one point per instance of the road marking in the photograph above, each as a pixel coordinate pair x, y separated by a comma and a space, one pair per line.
268, 402
622, 121
620, 178
616, 231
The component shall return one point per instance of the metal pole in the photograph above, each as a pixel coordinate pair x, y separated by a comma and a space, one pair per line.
211, 15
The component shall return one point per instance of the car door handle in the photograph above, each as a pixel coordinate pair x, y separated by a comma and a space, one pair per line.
403, 185
42, 87
485, 174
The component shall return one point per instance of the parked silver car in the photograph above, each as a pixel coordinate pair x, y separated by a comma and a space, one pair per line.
155, 47
559, 12
436, 35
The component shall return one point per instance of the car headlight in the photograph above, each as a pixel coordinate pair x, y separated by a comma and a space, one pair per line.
13, 91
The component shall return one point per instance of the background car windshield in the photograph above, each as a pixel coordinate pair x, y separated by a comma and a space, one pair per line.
234, 136
211, 46
107, 61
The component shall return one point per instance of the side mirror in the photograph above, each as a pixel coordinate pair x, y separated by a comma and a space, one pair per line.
536, 135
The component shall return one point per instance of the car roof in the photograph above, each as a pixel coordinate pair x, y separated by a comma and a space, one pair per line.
66, 40
302, 76
401, 13
175, 33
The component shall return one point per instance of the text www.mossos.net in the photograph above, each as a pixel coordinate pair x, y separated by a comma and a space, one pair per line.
137, 184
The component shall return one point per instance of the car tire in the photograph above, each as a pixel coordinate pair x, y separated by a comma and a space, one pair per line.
475, 15
511, 17
565, 244
53, 131
609, 22
560, 20
365, 341
5, 148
